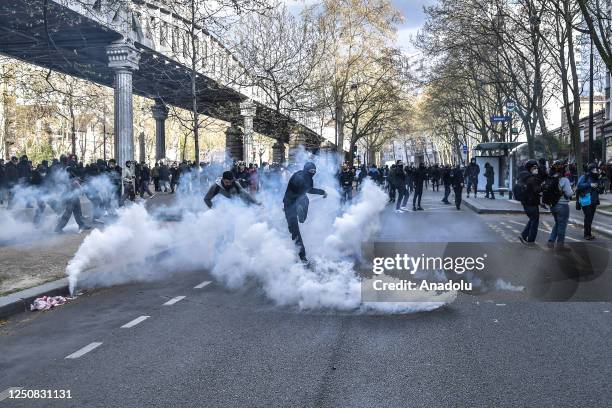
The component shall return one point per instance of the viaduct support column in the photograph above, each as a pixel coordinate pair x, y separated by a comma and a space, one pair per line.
297, 142
160, 114
278, 152
234, 143
123, 58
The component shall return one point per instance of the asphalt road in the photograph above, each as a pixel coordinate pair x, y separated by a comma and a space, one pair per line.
215, 348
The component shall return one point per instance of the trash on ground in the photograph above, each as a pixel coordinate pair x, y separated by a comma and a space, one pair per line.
47, 302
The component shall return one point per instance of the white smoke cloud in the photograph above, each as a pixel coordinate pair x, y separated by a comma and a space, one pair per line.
244, 245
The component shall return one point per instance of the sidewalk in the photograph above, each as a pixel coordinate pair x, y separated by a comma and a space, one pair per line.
35, 265
501, 205
601, 225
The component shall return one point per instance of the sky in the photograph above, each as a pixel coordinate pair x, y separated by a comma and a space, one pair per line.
412, 10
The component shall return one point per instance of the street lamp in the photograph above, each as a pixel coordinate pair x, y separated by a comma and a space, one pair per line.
247, 110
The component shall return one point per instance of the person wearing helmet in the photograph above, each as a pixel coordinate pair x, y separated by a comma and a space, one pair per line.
557, 192
531, 182
588, 188
295, 203
228, 187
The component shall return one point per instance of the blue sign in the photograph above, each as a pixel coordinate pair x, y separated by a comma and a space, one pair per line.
498, 119
465, 149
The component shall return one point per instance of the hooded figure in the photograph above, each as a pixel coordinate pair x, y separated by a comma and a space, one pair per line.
228, 187
296, 202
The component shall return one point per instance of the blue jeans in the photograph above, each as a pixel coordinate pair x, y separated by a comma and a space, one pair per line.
402, 197
531, 229
561, 214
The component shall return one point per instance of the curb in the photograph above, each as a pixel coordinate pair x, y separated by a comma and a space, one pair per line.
603, 231
20, 301
480, 210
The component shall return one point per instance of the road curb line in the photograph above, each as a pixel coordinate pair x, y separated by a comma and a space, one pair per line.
599, 230
20, 301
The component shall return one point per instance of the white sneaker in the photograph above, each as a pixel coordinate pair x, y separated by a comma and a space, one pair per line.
399, 211
404, 208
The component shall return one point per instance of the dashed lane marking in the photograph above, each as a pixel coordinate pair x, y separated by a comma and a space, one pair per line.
84, 350
135, 322
202, 285
174, 300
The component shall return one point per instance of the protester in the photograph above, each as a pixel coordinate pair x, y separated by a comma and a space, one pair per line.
490, 176
228, 187
457, 181
472, 171
556, 193
527, 191
589, 187
398, 182
419, 177
295, 203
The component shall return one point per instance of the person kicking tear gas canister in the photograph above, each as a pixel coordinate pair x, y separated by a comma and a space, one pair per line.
228, 187
295, 203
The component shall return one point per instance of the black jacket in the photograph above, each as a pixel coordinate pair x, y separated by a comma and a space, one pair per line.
232, 191
534, 188
398, 177
472, 171
346, 178
299, 185
456, 178
11, 174
490, 174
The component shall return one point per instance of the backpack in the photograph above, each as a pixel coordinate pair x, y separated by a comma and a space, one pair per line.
551, 193
519, 190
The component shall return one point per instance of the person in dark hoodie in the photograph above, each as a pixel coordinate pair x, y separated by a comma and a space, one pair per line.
457, 181
531, 185
346, 178
588, 188
471, 173
419, 177
12, 178
228, 187
295, 203
490, 176
398, 178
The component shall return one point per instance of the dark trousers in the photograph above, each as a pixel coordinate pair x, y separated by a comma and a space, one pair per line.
435, 185
489, 190
294, 229
40, 210
391, 192
447, 191
144, 188
458, 192
347, 194
416, 199
589, 214
530, 232
402, 197
156, 183
472, 182
72, 206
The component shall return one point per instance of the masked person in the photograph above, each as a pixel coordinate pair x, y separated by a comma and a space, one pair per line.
490, 176
228, 187
398, 178
295, 203
447, 182
527, 191
457, 181
557, 192
346, 178
589, 187
472, 172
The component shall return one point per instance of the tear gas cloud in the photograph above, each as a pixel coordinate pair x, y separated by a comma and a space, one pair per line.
248, 246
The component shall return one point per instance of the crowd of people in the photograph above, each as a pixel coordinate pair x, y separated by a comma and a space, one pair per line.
537, 186
60, 185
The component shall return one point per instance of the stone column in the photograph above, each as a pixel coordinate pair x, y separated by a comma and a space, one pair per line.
234, 143
296, 142
248, 110
160, 114
278, 152
123, 58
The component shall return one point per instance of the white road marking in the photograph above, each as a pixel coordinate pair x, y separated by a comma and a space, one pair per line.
201, 285
135, 322
174, 300
7, 393
500, 304
84, 350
